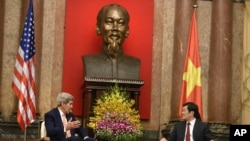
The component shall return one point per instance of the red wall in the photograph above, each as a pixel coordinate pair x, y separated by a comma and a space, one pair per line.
81, 39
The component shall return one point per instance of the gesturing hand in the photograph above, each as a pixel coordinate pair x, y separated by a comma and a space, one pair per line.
73, 124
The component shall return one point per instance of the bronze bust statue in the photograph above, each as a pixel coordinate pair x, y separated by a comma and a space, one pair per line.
113, 25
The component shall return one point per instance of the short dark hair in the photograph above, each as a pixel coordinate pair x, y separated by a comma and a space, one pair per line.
193, 107
103, 10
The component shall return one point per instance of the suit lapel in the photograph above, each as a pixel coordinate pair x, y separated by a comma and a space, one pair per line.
58, 117
196, 127
182, 130
69, 116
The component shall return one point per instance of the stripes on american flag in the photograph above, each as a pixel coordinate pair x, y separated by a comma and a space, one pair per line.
23, 83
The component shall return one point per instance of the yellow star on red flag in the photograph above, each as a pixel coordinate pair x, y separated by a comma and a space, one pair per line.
192, 77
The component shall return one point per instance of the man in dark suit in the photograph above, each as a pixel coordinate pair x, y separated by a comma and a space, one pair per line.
61, 124
198, 130
111, 62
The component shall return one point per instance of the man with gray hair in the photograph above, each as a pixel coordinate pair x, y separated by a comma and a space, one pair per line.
61, 124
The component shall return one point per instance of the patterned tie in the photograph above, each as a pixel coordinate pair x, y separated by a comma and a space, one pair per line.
188, 132
68, 134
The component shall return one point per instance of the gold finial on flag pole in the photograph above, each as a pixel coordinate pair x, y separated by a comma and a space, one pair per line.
195, 6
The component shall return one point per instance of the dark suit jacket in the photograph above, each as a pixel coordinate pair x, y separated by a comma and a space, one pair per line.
55, 129
201, 132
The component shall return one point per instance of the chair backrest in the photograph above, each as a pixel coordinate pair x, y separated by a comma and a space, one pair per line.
43, 132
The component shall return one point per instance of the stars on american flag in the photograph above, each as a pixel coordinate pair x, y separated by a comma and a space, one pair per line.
27, 40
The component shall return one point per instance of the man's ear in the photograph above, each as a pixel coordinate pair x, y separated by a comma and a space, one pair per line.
62, 103
97, 29
127, 33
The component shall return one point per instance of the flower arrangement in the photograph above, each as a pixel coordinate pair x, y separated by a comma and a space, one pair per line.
114, 118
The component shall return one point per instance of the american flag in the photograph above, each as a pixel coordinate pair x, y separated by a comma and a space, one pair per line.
23, 83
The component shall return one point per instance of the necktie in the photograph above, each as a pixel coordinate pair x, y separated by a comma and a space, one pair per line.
188, 132
64, 120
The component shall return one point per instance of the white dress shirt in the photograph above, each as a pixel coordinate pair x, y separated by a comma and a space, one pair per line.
191, 128
61, 114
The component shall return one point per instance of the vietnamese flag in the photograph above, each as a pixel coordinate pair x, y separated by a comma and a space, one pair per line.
191, 84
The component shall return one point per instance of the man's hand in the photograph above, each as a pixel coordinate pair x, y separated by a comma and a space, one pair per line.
73, 124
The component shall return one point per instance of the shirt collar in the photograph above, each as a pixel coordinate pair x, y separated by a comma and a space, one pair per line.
60, 111
192, 121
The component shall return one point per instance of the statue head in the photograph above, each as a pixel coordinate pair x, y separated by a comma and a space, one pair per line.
112, 25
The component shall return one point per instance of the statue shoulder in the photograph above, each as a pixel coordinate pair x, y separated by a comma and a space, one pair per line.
91, 57
132, 59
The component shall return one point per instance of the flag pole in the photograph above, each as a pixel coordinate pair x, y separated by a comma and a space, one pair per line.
25, 135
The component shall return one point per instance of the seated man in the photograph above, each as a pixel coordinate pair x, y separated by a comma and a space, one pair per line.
191, 128
61, 124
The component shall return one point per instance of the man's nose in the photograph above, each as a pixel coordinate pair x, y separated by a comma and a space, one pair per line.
115, 25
